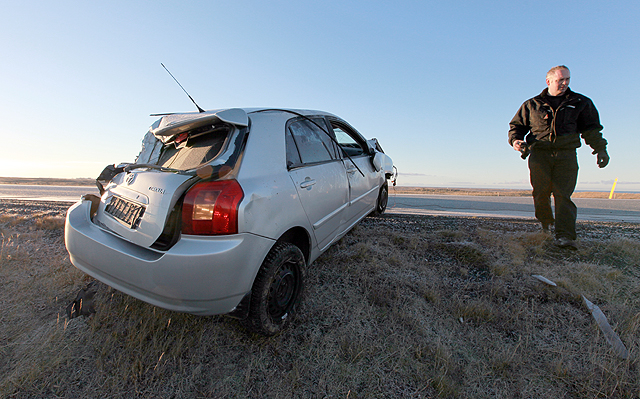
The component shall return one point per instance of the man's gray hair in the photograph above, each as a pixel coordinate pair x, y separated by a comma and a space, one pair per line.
556, 68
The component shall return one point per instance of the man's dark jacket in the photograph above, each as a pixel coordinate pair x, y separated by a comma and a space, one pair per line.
559, 129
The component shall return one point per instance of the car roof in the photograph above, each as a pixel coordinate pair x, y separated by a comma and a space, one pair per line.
175, 123
294, 111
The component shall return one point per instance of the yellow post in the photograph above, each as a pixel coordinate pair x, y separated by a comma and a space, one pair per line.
613, 188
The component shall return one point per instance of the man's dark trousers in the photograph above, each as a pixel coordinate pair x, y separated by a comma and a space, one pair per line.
555, 171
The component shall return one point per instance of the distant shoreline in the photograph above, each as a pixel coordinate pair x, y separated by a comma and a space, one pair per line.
48, 181
490, 192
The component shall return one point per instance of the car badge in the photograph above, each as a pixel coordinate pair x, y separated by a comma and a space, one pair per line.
157, 190
130, 178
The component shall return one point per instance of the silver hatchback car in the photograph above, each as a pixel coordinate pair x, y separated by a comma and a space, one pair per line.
223, 210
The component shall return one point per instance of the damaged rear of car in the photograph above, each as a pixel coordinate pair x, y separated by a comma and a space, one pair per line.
223, 210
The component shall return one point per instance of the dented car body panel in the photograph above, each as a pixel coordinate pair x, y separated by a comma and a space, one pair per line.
142, 189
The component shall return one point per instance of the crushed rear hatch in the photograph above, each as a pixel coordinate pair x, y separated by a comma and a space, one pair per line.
178, 151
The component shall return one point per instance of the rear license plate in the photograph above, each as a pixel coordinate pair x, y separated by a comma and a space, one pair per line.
125, 211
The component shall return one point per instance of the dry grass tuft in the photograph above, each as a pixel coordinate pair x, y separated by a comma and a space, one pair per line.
50, 223
403, 306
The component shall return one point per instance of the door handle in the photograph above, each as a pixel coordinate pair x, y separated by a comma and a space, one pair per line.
307, 183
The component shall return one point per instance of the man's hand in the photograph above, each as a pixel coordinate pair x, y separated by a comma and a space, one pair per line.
523, 147
519, 145
603, 158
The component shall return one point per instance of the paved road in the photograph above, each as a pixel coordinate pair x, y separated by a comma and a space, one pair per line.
616, 210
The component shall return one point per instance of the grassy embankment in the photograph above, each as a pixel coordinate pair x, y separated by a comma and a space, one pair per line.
403, 306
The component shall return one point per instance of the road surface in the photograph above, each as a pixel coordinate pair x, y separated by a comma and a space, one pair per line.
594, 209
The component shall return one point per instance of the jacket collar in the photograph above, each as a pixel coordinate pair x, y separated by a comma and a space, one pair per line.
567, 94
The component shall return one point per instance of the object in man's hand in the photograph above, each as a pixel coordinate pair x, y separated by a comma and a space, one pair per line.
603, 158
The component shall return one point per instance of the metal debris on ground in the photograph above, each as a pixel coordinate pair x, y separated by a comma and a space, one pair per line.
544, 280
612, 338
609, 334
83, 304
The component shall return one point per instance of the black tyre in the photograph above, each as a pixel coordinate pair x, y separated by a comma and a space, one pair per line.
383, 198
276, 290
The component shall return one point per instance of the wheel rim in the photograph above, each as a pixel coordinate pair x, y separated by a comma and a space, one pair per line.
384, 197
283, 291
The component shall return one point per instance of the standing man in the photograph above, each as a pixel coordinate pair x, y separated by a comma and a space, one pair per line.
553, 122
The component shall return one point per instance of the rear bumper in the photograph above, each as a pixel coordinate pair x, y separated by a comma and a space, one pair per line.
199, 275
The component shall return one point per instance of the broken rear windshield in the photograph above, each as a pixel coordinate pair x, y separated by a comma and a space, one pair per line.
190, 149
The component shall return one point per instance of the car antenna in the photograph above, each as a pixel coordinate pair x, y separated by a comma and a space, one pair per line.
197, 106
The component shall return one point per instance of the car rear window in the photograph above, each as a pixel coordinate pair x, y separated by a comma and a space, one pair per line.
189, 150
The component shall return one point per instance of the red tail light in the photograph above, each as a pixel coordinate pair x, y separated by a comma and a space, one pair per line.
211, 208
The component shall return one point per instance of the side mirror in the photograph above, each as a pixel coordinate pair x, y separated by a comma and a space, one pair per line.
377, 160
382, 162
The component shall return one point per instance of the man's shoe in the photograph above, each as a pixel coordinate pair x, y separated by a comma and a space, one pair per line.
547, 227
563, 242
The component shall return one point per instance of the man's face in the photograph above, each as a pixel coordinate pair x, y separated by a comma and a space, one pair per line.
558, 82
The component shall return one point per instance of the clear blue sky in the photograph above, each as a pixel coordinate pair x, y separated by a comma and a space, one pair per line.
437, 82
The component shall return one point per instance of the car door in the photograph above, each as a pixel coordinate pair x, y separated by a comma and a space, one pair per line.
362, 177
319, 175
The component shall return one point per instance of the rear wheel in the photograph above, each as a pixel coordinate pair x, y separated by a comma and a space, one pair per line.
383, 198
276, 290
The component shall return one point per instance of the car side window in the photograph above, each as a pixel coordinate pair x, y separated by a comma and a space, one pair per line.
347, 140
307, 143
